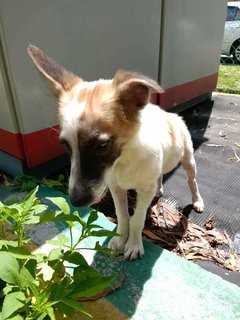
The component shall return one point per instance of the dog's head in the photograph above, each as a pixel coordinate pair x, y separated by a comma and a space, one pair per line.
96, 119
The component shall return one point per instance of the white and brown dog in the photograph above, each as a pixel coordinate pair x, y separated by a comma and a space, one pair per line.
118, 140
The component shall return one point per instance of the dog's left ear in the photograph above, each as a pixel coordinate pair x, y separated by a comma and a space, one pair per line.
133, 89
61, 81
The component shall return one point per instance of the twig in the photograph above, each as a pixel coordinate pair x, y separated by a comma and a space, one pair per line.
236, 144
214, 145
235, 155
219, 118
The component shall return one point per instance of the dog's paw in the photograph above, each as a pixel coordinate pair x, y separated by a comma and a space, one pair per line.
133, 250
117, 244
198, 206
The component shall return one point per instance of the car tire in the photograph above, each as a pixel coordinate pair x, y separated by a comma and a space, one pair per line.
236, 51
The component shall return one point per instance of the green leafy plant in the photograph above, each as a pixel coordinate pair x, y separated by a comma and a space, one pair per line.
60, 183
25, 182
26, 291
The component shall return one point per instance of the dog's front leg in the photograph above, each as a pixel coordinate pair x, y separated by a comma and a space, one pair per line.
134, 246
121, 207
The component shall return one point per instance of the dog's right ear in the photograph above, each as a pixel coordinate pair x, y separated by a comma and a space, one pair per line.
61, 81
133, 90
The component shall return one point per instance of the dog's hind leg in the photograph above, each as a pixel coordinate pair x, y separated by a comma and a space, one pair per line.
189, 165
121, 206
134, 246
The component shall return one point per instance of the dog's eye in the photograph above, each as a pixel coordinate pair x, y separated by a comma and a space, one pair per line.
103, 144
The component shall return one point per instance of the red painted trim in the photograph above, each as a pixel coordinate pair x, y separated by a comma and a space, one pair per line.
187, 91
34, 148
11, 143
41, 146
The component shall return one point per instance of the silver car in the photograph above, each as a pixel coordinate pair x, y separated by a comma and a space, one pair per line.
231, 38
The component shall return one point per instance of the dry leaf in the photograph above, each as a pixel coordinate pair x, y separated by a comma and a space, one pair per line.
151, 235
209, 224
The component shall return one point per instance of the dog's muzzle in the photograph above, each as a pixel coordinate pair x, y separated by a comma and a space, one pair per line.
81, 197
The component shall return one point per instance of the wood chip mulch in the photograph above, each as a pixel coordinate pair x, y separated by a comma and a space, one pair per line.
171, 230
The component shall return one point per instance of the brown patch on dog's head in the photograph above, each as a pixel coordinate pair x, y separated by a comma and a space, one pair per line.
114, 105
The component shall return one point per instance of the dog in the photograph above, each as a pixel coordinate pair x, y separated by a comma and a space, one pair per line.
118, 140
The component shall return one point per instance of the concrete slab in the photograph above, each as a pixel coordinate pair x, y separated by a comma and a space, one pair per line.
159, 286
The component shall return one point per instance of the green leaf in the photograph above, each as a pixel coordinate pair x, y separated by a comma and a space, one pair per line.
61, 240
7, 289
47, 217
61, 177
50, 312
104, 233
55, 254
61, 203
75, 257
31, 219
14, 211
6, 243
82, 273
9, 270
90, 287
28, 186
60, 289
102, 249
92, 217
36, 291
66, 217
57, 266
29, 200
81, 221
76, 305
39, 208
65, 309
26, 278
94, 226
12, 303
53, 183
41, 317
20, 253
16, 317
31, 265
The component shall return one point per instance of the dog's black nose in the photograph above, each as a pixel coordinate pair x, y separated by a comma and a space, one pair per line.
80, 199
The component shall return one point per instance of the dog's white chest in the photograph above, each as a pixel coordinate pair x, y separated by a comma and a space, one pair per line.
135, 169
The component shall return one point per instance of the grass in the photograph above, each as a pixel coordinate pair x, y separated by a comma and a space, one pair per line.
229, 78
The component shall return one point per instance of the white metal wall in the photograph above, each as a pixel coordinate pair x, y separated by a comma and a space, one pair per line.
92, 38
8, 120
192, 32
